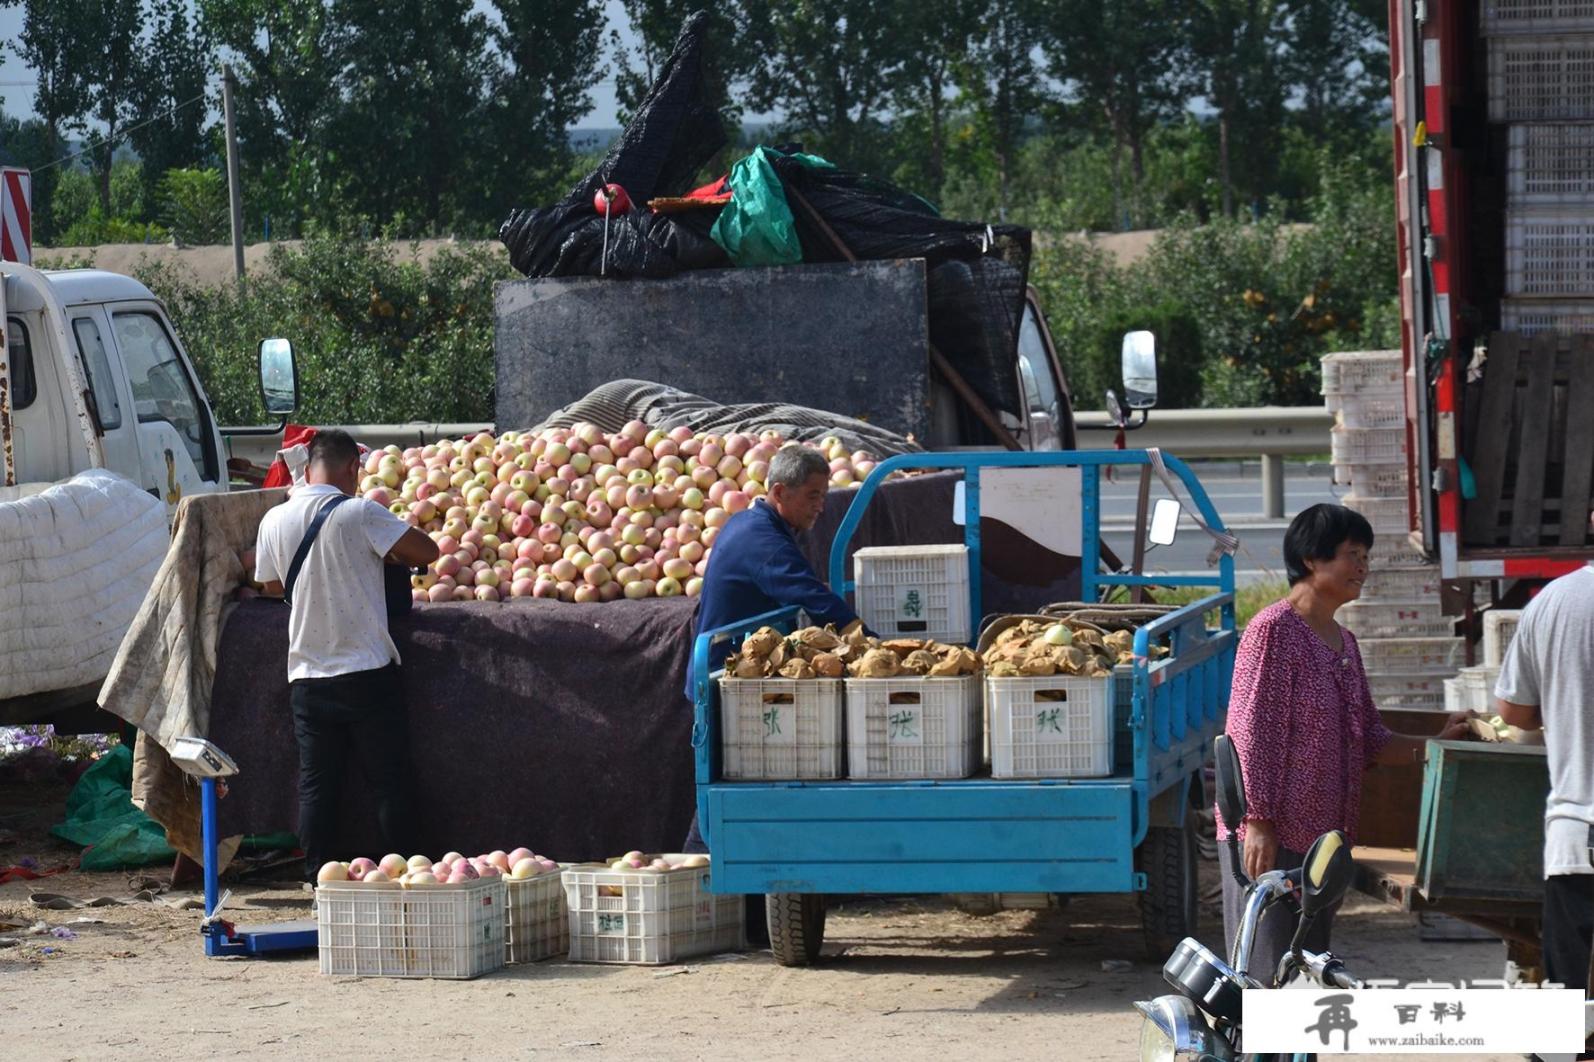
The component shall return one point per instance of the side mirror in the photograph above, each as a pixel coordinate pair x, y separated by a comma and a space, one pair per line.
1231, 786
1326, 874
1140, 370
1164, 522
279, 378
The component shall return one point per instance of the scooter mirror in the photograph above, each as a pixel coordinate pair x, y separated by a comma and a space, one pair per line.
1326, 873
1231, 785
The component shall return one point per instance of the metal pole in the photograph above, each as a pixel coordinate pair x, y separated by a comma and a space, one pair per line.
234, 191
1137, 594
1273, 486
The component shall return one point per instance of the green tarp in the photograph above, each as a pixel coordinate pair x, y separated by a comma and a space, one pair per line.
756, 227
100, 817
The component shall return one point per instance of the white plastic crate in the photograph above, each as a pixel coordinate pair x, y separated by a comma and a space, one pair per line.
1537, 16
1532, 316
1477, 688
1396, 619
1418, 583
1499, 627
910, 728
782, 729
1455, 696
1369, 410
1387, 514
1407, 691
914, 591
446, 931
1368, 446
1393, 551
1057, 726
1412, 656
649, 917
1363, 372
1550, 163
536, 925
1549, 251
1373, 481
1541, 78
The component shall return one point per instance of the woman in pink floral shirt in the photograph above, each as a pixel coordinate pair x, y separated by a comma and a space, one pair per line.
1302, 719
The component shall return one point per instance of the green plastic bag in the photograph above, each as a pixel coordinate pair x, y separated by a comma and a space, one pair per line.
100, 816
756, 227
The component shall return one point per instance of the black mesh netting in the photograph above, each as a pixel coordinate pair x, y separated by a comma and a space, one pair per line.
672, 136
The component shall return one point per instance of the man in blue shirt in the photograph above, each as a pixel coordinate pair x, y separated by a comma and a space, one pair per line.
757, 566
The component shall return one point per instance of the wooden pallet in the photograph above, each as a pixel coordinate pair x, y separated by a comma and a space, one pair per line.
1532, 443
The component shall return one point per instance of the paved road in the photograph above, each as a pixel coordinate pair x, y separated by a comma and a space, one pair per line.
1236, 491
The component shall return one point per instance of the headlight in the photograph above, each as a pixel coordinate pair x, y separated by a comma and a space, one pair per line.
1173, 1029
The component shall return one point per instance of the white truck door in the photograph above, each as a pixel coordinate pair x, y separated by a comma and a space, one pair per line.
176, 440
42, 449
89, 328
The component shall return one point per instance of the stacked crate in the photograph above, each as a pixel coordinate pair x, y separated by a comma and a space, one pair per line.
1408, 645
1541, 53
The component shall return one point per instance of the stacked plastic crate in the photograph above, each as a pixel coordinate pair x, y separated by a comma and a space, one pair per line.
1408, 645
1541, 53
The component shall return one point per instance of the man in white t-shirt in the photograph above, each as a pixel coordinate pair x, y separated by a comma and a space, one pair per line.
343, 678
1547, 680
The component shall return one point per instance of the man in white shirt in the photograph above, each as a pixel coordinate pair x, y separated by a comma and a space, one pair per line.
1547, 681
343, 677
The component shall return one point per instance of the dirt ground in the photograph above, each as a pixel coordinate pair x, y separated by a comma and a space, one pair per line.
904, 979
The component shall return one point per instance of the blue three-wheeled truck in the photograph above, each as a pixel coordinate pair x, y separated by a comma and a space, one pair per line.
1130, 831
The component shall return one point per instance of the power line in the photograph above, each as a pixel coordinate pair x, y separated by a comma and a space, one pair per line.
101, 142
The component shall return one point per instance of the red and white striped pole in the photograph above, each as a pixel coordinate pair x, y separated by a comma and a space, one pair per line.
16, 215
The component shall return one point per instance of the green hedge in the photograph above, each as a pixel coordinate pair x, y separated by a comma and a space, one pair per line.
377, 339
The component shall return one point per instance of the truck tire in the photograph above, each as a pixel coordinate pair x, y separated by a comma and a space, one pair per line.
796, 926
1169, 906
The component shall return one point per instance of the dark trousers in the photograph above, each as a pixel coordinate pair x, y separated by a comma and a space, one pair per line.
1568, 928
356, 717
1277, 928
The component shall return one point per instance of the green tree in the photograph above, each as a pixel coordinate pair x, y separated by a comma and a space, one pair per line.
1337, 55
829, 66
1001, 85
934, 35
548, 58
286, 65
1236, 60
194, 206
111, 31
1124, 68
50, 44
177, 59
656, 24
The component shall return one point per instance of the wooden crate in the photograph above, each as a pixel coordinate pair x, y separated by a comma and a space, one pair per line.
1532, 454
1392, 796
1481, 836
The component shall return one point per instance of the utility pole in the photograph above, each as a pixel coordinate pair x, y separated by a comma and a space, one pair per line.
234, 192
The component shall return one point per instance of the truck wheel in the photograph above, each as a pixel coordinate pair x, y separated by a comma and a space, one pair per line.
796, 926
1168, 906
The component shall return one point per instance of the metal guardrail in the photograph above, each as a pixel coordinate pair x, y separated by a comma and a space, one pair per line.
1271, 432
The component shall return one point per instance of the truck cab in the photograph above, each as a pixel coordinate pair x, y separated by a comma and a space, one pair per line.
97, 377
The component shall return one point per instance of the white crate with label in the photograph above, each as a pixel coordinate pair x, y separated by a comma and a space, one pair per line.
446, 931
1388, 515
1363, 372
782, 729
1477, 688
1368, 446
649, 917
1396, 619
1373, 481
913, 728
1408, 656
1407, 691
914, 591
537, 926
1059, 726
1418, 583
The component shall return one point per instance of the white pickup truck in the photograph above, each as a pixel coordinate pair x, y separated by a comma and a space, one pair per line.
104, 428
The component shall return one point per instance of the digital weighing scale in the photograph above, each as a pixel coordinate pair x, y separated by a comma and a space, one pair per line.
203, 760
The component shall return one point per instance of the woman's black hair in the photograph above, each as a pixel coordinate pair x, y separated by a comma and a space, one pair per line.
1316, 534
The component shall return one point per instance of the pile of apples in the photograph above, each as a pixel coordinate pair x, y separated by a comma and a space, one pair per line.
394, 871
576, 514
639, 861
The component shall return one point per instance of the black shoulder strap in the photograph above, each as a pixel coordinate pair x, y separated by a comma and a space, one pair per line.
304, 546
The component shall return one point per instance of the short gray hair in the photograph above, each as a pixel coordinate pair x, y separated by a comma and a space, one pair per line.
794, 464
